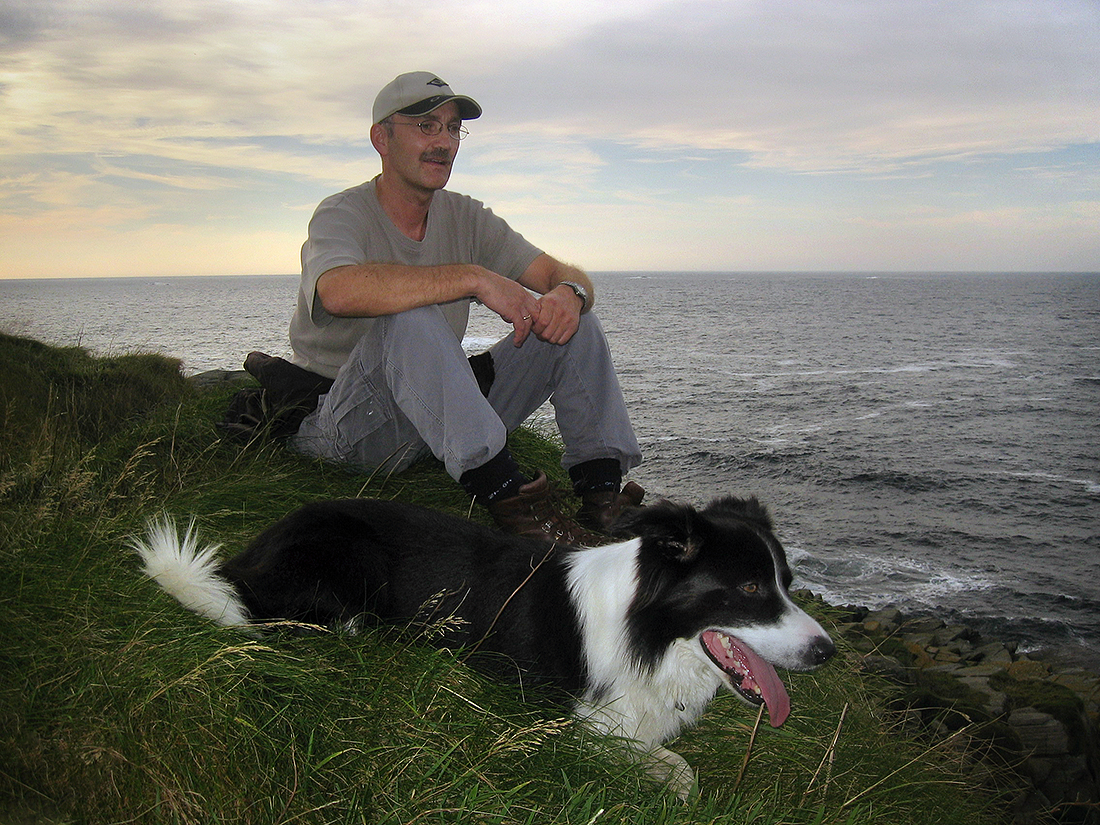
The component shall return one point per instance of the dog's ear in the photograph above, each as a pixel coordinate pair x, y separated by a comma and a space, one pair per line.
746, 509
671, 530
682, 551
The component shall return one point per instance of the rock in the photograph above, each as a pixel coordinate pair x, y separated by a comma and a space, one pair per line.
845, 628
214, 378
982, 670
994, 702
927, 624
950, 679
888, 619
1040, 733
952, 633
947, 656
853, 612
1066, 778
1031, 808
863, 644
1027, 669
919, 651
886, 667
1084, 684
992, 653
872, 626
997, 703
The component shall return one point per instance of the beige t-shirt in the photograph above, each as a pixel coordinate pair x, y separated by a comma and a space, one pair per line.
351, 228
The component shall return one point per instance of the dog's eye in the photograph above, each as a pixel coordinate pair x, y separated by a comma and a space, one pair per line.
750, 587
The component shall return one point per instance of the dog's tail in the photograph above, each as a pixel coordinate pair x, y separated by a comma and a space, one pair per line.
188, 572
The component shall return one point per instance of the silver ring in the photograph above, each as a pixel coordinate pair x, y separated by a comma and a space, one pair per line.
526, 317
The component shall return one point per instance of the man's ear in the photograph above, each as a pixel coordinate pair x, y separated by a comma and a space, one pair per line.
380, 138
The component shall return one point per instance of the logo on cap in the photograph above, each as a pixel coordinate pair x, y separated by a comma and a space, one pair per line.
435, 81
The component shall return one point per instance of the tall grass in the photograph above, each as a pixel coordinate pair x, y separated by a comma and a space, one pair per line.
118, 706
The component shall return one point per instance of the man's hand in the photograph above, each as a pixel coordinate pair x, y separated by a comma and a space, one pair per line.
512, 302
561, 307
559, 317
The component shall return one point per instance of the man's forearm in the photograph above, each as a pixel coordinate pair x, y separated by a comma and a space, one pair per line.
371, 290
374, 290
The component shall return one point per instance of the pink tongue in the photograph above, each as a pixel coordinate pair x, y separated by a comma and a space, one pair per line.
741, 659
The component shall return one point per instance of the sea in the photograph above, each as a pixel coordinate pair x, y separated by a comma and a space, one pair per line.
926, 441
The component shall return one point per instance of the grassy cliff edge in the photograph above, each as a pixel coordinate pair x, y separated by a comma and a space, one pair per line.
118, 706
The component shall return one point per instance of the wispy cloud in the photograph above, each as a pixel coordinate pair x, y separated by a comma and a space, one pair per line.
813, 86
197, 112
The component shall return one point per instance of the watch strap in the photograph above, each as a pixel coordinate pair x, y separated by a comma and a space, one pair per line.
580, 292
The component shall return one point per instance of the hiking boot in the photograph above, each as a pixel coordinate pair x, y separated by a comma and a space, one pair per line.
601, 510
534, 514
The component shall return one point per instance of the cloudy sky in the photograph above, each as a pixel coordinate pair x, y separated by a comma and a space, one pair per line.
161, 137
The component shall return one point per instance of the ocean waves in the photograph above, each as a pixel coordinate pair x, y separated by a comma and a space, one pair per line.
926, 441
935, 455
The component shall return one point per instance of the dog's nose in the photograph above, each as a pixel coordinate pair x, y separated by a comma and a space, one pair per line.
820, 651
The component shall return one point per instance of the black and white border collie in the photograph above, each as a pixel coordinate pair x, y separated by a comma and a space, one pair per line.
641, 633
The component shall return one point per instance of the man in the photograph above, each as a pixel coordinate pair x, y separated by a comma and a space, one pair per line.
388, 273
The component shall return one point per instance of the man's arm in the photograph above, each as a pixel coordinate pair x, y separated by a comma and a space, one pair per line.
371, 290
560, 307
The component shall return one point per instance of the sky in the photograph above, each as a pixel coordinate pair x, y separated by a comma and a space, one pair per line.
195, 137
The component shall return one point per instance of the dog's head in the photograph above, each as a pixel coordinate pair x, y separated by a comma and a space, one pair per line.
719, 577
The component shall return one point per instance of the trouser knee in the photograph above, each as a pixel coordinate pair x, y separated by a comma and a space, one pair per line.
416, 322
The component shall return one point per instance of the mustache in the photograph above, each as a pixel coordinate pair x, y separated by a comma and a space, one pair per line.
440, 155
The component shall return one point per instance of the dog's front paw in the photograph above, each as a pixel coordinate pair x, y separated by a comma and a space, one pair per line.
672, 770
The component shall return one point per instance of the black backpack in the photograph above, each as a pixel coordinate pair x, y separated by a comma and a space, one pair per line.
275, 409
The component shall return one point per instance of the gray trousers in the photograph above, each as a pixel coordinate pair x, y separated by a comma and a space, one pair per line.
407, 391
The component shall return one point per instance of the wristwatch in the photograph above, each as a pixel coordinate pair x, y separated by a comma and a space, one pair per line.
581, 292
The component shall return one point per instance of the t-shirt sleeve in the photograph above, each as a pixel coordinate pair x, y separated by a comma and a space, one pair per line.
499, 247
464, 230
335, 239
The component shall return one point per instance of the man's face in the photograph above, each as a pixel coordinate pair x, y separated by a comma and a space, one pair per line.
422, 162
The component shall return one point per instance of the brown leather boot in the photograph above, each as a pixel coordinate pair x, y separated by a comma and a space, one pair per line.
600, 511
534, 513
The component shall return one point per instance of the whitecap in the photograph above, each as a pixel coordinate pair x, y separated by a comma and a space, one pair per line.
876, 581
1090, 486
477, 343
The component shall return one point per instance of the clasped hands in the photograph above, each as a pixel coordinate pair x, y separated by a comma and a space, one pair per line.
553, 317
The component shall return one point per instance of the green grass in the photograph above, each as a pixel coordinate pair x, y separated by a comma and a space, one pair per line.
118, 706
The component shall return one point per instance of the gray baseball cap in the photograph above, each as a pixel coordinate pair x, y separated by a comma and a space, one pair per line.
417, 93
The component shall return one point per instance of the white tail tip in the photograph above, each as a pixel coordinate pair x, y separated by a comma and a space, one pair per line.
188, 572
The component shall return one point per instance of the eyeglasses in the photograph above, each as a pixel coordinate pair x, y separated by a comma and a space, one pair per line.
433, 127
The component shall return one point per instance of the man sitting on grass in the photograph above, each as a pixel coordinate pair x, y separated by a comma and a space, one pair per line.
388, 273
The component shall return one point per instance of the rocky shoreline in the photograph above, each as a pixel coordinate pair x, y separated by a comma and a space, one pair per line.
1010, 713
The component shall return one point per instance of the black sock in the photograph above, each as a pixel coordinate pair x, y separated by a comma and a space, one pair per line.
498, 478
596, 476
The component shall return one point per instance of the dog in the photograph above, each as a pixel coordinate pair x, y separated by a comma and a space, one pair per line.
640, 633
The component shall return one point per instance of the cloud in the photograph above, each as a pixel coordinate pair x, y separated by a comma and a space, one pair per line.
603, 118
822, 86
798, 85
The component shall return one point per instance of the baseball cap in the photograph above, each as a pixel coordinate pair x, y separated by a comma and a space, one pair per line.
417, 93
